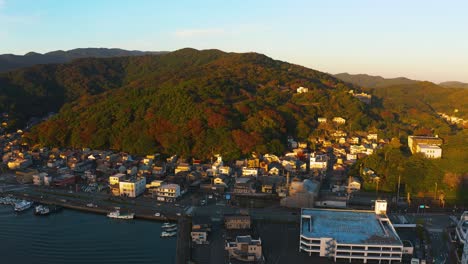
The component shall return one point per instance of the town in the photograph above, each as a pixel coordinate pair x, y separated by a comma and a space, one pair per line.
237, 210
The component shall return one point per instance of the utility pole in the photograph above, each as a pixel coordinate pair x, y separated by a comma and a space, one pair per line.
435, 194
398, 192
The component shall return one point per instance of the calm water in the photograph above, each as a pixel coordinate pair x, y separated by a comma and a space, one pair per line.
76, 237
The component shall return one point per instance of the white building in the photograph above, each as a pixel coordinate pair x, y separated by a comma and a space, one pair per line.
350, 235
168, 192
302, 90
429, 151
247, 172
322, 119
318, 161
132, 187
339, 120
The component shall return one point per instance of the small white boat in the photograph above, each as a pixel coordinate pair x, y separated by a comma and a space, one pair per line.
118, 215
41, 210
171, 229
168, 225
22, 205
168, 234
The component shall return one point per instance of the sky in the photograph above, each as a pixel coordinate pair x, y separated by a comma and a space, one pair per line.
418, 39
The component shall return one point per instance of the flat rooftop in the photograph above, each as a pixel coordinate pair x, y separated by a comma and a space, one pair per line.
425, 146
348, 227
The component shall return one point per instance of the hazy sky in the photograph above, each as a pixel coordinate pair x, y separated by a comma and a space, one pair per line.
419, 39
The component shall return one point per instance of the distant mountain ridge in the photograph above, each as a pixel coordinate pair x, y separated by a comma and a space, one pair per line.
454, 84
369, 81
10, 62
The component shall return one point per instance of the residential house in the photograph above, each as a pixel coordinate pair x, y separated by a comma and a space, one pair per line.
245, 248
302, 90
322, 120
199, 233
354, 184
249, 172
243, 186
318, 161
339, 120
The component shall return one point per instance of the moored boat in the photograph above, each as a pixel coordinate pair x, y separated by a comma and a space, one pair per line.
118, 215
171, 229
168, 225
41, 210
22, 205
168, 234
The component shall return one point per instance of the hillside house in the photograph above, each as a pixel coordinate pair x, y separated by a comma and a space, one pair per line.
302, 90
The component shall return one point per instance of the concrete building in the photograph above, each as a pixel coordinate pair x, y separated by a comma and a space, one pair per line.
245, 248
114, 183
429, 151
199, 234
132, 187
248, 172
237, 221
168, 192
413, 142
350, 235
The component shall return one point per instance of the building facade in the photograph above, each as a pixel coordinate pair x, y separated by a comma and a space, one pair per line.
245, 248
429, 151
168, 192
132, 187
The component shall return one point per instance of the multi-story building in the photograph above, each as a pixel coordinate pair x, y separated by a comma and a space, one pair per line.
132, 187
429, 151
168, 192
237, 221
350, 235
414, 141
245, 248
114, 183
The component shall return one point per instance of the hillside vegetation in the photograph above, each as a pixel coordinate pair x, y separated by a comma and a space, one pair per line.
187, 102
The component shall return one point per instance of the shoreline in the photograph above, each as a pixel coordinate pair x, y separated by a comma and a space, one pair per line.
84, 208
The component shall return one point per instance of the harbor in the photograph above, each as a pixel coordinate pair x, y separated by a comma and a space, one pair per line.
72, 236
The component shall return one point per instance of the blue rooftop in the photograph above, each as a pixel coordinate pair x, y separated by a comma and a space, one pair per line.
348, 227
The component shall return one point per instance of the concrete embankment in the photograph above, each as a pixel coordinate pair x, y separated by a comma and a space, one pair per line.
81, 206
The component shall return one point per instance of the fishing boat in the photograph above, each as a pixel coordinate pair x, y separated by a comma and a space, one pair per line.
168, 234
22, 205
118, 215
170, 229
168, 225
41, 210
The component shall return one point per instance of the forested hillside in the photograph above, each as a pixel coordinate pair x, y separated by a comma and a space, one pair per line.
188, 102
